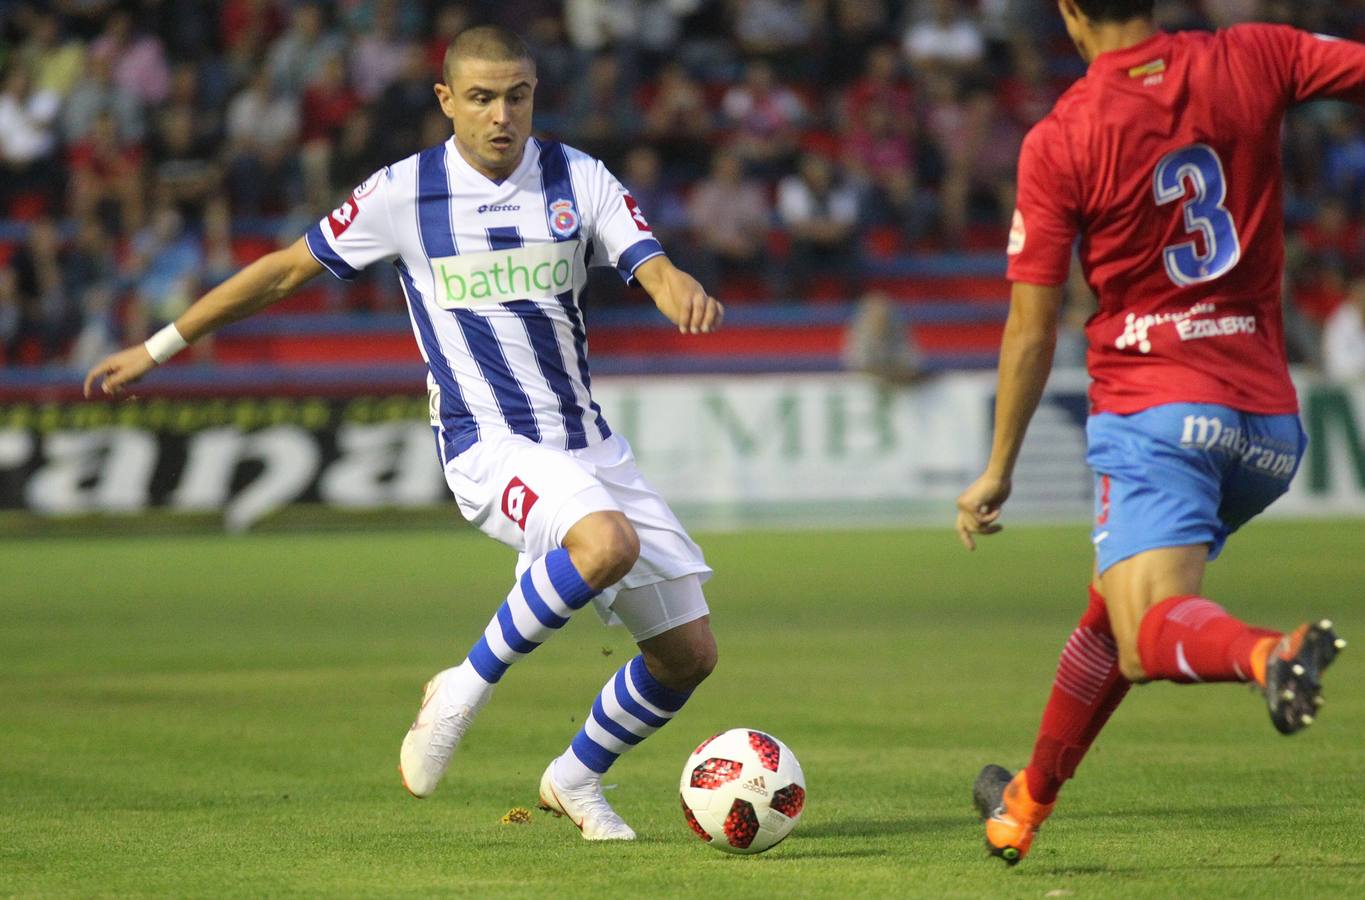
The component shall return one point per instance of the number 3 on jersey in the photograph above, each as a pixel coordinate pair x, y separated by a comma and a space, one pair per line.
1204, 214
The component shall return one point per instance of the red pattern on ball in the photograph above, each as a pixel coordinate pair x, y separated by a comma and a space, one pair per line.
766, 748
702, 745
692, 821
741, 825
715, 772
790, 800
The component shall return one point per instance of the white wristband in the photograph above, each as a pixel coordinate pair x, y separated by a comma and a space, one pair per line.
165, 343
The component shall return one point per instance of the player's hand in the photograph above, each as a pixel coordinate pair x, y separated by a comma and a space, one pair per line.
978, 509
687, 305
119, 369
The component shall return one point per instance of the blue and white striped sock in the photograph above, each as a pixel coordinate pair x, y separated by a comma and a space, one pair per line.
632, 706
542, 600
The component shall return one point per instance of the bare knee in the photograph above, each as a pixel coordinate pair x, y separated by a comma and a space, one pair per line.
1130, 664
1133, 586
603, 547
683, 658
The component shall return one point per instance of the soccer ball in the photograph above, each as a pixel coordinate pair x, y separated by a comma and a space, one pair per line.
742, 791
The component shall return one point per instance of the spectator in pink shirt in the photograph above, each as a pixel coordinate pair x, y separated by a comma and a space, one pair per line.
377, 54
729, 216
138, 59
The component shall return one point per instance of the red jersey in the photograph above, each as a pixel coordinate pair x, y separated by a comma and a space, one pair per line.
1165, 161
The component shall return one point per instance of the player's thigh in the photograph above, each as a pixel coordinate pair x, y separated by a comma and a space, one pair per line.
668, 618
667, 552
524, 494
1264, 456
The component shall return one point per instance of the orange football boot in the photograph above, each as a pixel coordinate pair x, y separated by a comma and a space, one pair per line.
1291, 674
1012, 817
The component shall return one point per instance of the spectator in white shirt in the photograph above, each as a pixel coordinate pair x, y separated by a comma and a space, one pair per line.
947, 38
1343, 338
27, 139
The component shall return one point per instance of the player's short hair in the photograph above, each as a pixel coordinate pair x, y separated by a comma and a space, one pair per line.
1116, 10
487, 42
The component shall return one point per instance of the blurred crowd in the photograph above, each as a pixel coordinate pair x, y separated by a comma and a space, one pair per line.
149, 147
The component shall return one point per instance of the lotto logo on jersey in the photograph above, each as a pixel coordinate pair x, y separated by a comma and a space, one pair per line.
640, 221
517, 502
342, 217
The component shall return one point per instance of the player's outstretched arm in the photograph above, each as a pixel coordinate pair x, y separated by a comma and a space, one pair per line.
265, 281
680, 296
1025, 362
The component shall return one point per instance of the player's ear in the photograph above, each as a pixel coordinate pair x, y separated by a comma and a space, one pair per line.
446, 97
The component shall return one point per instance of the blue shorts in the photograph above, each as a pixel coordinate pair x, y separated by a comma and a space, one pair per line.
1185, 473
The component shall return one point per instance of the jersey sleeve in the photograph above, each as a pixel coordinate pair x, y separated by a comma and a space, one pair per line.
620, 230
1307, 66
358, 232
1047, 212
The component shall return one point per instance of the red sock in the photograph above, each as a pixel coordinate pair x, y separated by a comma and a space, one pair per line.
1087, 690
1189, 639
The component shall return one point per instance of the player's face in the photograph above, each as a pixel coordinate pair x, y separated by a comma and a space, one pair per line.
490, 105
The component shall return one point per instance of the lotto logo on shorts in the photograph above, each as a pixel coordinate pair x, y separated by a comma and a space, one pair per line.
517, 501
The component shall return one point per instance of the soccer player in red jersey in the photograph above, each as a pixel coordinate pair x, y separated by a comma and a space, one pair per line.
1164, 160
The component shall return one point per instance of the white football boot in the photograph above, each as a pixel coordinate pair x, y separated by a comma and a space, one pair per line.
584, 806
449, 702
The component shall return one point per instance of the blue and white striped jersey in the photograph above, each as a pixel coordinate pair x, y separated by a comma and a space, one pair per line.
492, 273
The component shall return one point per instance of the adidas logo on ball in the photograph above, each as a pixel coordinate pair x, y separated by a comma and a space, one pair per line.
757, 785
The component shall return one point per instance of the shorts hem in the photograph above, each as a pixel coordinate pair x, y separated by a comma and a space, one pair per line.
577, 507
702, 571
656, 630
1213, 544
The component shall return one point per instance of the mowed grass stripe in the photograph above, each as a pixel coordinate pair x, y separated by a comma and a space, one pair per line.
209, 716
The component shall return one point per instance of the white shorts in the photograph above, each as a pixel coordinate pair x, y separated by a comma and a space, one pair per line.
528, 496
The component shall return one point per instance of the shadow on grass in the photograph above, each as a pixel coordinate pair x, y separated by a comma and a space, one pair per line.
1200, 811
875, 827
1147, 869
832, 853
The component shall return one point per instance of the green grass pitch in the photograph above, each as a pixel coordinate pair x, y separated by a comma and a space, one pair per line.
214, 716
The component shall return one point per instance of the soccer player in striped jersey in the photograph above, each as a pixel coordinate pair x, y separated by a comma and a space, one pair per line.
1165, 161
490, 234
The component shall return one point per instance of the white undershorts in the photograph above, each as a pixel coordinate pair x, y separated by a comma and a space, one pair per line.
528, 496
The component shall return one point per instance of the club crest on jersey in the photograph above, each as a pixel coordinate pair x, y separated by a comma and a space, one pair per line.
517, 501
563, 218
